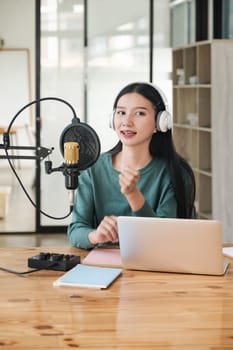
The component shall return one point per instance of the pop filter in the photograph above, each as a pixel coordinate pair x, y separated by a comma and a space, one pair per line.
87, 139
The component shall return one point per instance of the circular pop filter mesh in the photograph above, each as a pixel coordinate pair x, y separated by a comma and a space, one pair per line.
89, 144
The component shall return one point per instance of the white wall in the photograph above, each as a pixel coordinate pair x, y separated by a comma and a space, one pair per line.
17, 29
17, 25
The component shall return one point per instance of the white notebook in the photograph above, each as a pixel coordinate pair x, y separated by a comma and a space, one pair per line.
228, 251
88, 276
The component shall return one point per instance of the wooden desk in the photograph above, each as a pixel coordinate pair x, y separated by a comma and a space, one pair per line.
140, 310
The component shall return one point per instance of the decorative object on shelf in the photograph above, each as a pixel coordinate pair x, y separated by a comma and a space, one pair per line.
180, 76
192, 119
193, 80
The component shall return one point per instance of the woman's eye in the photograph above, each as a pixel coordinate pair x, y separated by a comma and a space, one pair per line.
120, 112
140, 114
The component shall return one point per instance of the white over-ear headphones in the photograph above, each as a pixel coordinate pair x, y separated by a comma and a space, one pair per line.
163, 118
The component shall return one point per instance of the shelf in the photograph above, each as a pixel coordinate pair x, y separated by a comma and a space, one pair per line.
186, 144
205, 163
203, 124
188, 86
204, 64
188, 126
190, 66
206, 172
207, 216
192, 128
204, 110
185, 106
205, 201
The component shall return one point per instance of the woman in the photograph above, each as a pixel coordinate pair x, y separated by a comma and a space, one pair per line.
141, 176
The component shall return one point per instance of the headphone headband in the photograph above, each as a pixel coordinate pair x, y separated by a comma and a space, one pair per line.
158, 90
162, 95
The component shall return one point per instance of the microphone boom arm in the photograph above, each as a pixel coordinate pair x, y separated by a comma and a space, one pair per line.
41, 152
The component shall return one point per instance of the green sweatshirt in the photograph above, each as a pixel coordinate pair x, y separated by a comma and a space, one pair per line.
98, 195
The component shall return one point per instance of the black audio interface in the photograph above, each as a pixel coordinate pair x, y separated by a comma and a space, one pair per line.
53, 261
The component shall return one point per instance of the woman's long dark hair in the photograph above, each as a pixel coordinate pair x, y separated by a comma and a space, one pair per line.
162, 146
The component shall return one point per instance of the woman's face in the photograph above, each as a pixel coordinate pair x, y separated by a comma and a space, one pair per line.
134, 119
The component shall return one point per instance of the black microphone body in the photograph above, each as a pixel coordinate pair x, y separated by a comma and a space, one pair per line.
71, 177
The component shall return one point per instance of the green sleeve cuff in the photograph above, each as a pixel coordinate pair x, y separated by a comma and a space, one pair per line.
145, 211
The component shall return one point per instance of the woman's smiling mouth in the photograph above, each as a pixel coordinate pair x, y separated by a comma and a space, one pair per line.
128, 133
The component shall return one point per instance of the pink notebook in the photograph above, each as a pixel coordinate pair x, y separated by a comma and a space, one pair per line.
103, 257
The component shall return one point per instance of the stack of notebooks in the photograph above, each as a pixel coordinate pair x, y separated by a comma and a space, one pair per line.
98, 270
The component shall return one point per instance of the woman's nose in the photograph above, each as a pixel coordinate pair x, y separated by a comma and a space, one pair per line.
127, 118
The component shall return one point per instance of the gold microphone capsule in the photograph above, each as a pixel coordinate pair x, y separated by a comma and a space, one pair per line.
71, 152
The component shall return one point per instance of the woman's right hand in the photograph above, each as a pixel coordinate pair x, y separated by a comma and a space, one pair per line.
105, 232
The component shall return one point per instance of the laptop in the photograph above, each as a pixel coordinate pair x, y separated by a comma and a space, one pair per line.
190, 246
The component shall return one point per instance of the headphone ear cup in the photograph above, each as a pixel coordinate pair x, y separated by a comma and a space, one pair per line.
164, 121
111, 121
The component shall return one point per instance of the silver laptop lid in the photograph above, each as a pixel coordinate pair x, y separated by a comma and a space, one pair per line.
171, 245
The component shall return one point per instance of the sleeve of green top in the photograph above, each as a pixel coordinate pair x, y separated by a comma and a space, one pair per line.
167, 206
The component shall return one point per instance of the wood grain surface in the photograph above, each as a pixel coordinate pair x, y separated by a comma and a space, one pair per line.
140, 310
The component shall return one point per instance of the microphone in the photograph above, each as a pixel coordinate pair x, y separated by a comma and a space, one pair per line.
80, 148
71, 158
88, 143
